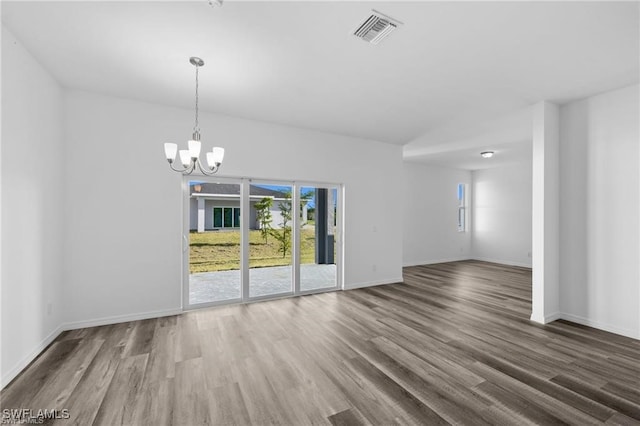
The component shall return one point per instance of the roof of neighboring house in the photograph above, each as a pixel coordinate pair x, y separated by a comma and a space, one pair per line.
232, 189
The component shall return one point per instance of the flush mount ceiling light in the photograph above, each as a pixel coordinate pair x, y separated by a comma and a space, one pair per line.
486, 154
190, 158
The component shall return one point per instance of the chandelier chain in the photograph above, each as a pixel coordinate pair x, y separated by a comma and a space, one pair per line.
196, 127
190, 158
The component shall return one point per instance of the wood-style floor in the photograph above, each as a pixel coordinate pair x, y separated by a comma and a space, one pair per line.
453, 344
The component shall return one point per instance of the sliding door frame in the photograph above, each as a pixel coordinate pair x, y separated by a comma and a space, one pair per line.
186, 217
245, 184
291, 292
337, 240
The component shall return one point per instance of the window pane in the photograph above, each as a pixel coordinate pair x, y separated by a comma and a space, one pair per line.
270, 240
214, 257
217, 217
236, 218
228, 217
317, 237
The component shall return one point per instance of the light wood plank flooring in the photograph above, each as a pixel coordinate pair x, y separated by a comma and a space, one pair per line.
453, 344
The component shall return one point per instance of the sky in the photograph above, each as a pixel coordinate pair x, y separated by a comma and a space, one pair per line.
304, 190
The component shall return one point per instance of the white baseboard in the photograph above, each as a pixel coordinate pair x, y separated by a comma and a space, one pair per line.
461, 258
546, 319
120, 318
27, 359
503, 262
552, 317
434, 261
601, 326
540, 319
372, 283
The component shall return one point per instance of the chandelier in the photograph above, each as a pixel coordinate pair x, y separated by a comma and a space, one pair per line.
190, 158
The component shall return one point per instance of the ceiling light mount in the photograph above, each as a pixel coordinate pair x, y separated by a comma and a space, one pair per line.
195, 61
487, 154
190, 158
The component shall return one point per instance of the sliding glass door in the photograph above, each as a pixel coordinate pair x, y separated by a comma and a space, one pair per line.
214, 242
318, 232
271, 240
249, 240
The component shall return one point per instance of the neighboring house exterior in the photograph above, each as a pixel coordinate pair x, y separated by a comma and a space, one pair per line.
216, 206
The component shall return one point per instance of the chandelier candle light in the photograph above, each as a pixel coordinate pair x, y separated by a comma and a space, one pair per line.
190, 158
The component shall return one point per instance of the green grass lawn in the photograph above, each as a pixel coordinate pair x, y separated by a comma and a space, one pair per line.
220, 250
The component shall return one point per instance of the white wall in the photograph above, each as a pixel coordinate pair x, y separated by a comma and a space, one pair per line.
430, 210
502, 215
115, 267
32, 192
599, 211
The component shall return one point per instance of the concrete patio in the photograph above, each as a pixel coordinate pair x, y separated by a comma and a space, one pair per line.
206, 287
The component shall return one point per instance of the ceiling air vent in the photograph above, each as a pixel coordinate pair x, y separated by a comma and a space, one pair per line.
376, 27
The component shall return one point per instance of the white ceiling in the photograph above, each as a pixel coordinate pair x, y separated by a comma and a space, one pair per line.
508, 154
447, 72
509, 136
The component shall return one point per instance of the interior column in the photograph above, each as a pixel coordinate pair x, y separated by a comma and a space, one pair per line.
546, 213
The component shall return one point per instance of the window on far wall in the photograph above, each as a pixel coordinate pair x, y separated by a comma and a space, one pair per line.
462, 208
